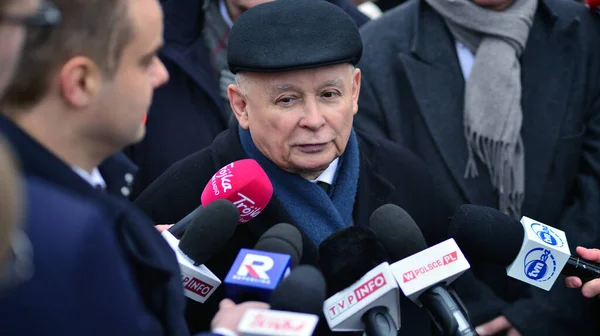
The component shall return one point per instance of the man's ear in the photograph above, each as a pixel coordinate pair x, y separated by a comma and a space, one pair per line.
356, 75
80, 81
239, 105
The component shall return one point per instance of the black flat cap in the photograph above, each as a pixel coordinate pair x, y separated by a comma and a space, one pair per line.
288, 35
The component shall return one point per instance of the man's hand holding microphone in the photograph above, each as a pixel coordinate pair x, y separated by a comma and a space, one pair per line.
591, 288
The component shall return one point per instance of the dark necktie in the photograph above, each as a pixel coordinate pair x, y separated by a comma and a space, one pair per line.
324, 185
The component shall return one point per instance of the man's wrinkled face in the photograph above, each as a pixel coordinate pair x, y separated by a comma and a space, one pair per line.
238, 7
301, 120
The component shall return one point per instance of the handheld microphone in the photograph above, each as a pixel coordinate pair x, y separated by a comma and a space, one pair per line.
356, 269
535, 253
303, 291
425, 273
209, 231
244, 183
295, 305
256, 273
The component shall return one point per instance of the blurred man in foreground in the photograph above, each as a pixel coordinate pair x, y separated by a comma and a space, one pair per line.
82, 91
15, 17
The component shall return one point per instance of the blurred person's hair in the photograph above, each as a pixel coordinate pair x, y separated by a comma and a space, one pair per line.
96, 29
11, 194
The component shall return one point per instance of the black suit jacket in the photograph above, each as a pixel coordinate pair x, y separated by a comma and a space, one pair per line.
388, 174
419, 103
151, 261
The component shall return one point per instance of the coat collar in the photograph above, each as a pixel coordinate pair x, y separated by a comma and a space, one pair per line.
117, 171
433, 71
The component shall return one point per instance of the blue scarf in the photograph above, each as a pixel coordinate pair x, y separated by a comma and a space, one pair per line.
317, 213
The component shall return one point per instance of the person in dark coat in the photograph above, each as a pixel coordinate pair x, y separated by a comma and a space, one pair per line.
74, 279
80, 96
516, 127
190, 110
295, 103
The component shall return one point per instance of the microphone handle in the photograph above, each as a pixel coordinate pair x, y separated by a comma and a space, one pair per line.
583, 269
447, 312
379, 322
178, 229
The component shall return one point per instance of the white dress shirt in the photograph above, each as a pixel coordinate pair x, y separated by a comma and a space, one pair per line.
95, 178
466, 59
329, 173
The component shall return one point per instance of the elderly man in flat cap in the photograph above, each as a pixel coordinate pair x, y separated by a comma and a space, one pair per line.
295, 98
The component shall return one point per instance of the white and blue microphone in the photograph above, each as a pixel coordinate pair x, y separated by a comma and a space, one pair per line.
255, 273
534, 253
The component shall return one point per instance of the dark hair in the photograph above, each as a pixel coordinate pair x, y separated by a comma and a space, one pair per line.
97, 29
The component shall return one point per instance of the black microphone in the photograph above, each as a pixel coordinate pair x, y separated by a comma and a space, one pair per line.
487, 234
209, 231
354, 263
303, 291
282, 238
206, 236
402, 238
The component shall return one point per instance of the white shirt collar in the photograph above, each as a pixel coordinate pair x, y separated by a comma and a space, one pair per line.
466, 59
329, 174
94, 179
224, 13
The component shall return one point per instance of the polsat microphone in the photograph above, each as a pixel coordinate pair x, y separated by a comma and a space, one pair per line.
207, 234
256, 273
535, 253
244, 183
295, 306
364, 293
423, 276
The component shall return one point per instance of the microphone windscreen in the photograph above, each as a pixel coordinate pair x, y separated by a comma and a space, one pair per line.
245, 184
303, 291
209, 231
282, 238
397, 231
486, 233
347, 255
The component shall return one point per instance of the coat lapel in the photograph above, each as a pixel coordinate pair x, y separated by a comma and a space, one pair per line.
433, 71
547, 73
373, 190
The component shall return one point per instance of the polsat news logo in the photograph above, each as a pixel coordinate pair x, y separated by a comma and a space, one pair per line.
443, 261
196, 286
